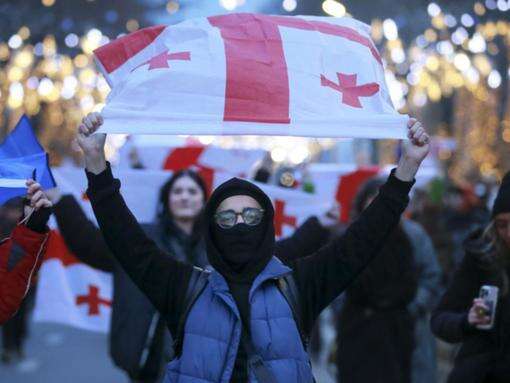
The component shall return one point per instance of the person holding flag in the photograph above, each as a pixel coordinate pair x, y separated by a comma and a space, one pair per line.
22, 252
235, 323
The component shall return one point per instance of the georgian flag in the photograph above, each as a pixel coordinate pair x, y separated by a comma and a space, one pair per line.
155, 154
240, 74
72, 293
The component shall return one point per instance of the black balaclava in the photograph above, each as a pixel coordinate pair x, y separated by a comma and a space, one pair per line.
241, 252
502, 201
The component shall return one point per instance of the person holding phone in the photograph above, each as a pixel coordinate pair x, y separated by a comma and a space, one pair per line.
465, 313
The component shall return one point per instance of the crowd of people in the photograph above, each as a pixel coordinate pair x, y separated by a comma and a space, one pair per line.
398, 277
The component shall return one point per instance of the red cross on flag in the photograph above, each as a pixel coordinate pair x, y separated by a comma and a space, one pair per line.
70, 292
240, 74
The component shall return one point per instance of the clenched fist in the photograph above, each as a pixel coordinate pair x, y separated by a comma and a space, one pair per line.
92, 143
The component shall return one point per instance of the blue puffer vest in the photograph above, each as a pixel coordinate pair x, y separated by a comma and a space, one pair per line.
213, 330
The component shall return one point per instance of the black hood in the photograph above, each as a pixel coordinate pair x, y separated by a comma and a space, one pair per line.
264, 252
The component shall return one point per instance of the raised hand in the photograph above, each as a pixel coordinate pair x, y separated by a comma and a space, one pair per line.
92, 143
38, 199
414, 151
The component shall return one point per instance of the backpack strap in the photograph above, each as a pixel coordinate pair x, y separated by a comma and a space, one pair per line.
198, 281
288, 287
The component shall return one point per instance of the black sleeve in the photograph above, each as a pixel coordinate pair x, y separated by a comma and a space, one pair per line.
308, 238
163, 279
39, 219
82, 237
449, 318
322, 276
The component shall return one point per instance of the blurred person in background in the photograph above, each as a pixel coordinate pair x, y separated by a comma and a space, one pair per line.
24, 236
484, 355
464, 211
391, 301
140, 345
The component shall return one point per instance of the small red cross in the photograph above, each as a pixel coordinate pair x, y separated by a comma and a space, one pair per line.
281, 219
161, 60
350, 91
92, 300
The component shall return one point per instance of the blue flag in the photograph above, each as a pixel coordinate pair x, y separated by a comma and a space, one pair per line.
13, 178
22, 157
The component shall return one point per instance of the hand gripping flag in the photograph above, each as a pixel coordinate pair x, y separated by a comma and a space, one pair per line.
240, 74
22, 157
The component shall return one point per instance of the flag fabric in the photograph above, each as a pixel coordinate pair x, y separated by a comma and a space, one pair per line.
239, 74
21, 141
22, 157
73, 293
13, 178
206, 160
70, 292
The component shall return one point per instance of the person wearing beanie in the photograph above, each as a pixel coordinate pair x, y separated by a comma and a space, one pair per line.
22, 252
484, 355
240, 327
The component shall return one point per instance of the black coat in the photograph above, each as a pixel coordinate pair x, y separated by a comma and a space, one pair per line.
320, 277
375, 330
135, 324
482, 352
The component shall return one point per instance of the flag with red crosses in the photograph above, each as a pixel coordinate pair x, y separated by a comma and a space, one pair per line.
71, 292
245, 74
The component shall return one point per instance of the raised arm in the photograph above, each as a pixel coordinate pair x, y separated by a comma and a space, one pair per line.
308, 238
323, 276
82, 236
159, 276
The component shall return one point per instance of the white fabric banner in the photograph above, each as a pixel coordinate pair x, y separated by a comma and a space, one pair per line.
75, 294
157, 154
70, 292
242, 74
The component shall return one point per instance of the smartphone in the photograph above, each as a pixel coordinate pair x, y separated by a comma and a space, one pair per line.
489, 294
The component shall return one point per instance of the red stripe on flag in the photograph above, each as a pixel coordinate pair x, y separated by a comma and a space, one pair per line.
116, 53
257, 88
186, 158
328, 29
183, 158
57, 249
348, 186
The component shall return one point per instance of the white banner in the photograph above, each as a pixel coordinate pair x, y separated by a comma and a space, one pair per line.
70, 292
158, 154
249, 74
73, 293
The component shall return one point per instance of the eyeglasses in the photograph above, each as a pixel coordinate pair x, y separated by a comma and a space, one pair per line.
226, 219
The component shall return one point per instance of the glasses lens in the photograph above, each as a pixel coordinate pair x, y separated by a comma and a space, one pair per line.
252, 216
226, 218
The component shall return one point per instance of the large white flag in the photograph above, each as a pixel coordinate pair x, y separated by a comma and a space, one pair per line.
72, 293
249, 74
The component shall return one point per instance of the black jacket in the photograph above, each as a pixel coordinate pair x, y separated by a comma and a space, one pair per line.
320, 277
482, 352
374, 317
132, 312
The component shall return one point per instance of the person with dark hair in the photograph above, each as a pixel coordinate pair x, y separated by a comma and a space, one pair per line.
462, 315
21, 254
139, 342
238, 322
